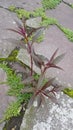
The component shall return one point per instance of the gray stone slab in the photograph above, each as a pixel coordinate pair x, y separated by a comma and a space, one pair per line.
69, 1
7, 21
5, 100
50, 117
54, 39
63, 13
26, 4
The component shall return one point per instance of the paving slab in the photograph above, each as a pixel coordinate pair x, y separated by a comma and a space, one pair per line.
5, 100
69, 1
50, 117
63, 13
6, 21
54, 39
26, 4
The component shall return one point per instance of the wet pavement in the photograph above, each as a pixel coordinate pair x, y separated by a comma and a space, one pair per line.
57, 118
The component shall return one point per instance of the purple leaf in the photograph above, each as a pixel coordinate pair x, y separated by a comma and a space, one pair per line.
58, 58
40, 81
49, 83
53, 56
38, 59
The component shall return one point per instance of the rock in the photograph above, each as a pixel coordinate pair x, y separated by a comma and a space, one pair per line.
51, 116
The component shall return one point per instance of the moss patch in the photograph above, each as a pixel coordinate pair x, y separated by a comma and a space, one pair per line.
14, 82
50, 4
69, 92
67, 32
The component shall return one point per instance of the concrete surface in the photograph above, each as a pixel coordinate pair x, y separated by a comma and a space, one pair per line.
56, 117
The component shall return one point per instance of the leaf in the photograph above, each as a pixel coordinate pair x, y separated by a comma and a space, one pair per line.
38, 59
19, 25
37, 34
39, 100
53, 60
49, 83
40, 81
58, 58
52, 57
33, 22
31, 101
3, 59
51, 97
55, 66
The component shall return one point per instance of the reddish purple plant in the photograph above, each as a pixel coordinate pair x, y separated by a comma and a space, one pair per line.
40, 87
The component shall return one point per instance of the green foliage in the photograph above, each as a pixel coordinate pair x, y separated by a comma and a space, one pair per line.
71, 5
69, 92
50, 4
12, 56
40, 38
12, 8
14, 82
22, 13
13, 110
38, 12
48, 21
67, 32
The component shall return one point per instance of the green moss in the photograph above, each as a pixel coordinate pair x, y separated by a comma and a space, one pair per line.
71, 5
22, 13
38, 12
16, 86
12, 56
69, 92
67, 32
13, 110
40, 38
50, 4
48, 21
12, 8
